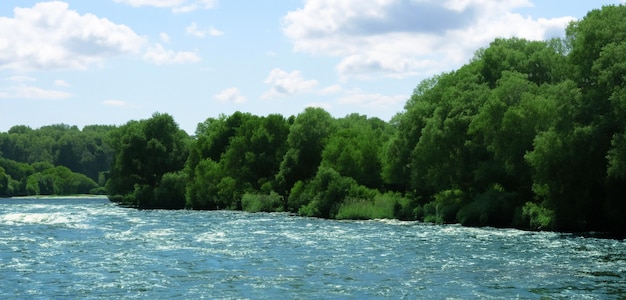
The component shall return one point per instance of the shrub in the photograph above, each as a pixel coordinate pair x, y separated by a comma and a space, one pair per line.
170, 193
297, 197
537, 217
380, 207
327, 190
262, 202
444, 208
493, 207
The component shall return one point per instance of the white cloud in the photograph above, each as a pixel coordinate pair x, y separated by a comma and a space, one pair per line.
193, 30
155, 3
284, 84
231, 95
51, 36
20, 78
61, 83
32, 92
161, 56
367, 100
324, 105
333, 89
357, 97
177, 6
405, 38
214, 32
165, 38
115, 103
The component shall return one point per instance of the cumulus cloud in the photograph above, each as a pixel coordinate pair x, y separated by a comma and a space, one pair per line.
231, 95
50, 36
32, 92
195, 31
161, 56
285, 84
371, 100
61, 83
165, 38
399, 38
177, 6
333, 89
324, 105
357, 97
115, 103
20, 78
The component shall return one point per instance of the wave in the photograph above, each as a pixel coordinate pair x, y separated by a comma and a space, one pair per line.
52, 219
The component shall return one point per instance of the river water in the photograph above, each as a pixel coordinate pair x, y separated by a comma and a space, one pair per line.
91, 248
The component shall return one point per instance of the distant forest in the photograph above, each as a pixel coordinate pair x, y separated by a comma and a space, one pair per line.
528, 134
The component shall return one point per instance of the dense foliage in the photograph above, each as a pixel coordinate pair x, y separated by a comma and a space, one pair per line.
530, 134
56, 159
148, 157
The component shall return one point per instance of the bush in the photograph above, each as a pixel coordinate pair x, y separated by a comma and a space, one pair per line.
260, 202
170, 193
444, 208
537, 217
297, 197
493, 207
327, 190
383, 206
79, 184
98, 191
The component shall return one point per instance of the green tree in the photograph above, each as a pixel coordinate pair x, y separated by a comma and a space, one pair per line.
5, 188
170, 192
571, 172
145, 151
325, 193
408, 125
232, 156
201, 189
354, 149
306, 140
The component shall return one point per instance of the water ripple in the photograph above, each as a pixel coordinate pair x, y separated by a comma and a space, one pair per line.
92, 249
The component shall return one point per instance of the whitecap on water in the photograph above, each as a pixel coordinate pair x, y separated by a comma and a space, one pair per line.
396, 222
36, 218
212, 237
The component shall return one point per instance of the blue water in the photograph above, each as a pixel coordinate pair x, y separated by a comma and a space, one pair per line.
90, 248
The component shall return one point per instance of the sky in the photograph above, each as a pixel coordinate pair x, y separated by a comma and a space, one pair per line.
112, 61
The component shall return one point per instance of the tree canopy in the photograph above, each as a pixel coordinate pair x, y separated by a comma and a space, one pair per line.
55, 159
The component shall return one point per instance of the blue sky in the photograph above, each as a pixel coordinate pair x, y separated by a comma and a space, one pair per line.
111, 61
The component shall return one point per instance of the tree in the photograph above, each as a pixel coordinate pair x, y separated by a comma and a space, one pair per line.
5, 188
324, 194
570, 159
232, 156
354, 149
305, 142
145, 151
201, 189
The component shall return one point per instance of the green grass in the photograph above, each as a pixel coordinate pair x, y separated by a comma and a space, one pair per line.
261, 203
381, 207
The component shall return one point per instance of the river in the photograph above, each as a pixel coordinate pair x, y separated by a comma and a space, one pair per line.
91, 248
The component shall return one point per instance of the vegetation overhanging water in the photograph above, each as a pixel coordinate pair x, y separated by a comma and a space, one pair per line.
528, 134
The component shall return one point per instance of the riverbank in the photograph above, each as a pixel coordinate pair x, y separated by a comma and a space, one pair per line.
69, 197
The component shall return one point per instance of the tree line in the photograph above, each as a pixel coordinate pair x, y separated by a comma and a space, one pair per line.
528, 134
56, 159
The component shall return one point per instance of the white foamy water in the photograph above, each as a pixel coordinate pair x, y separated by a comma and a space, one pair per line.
90, 248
